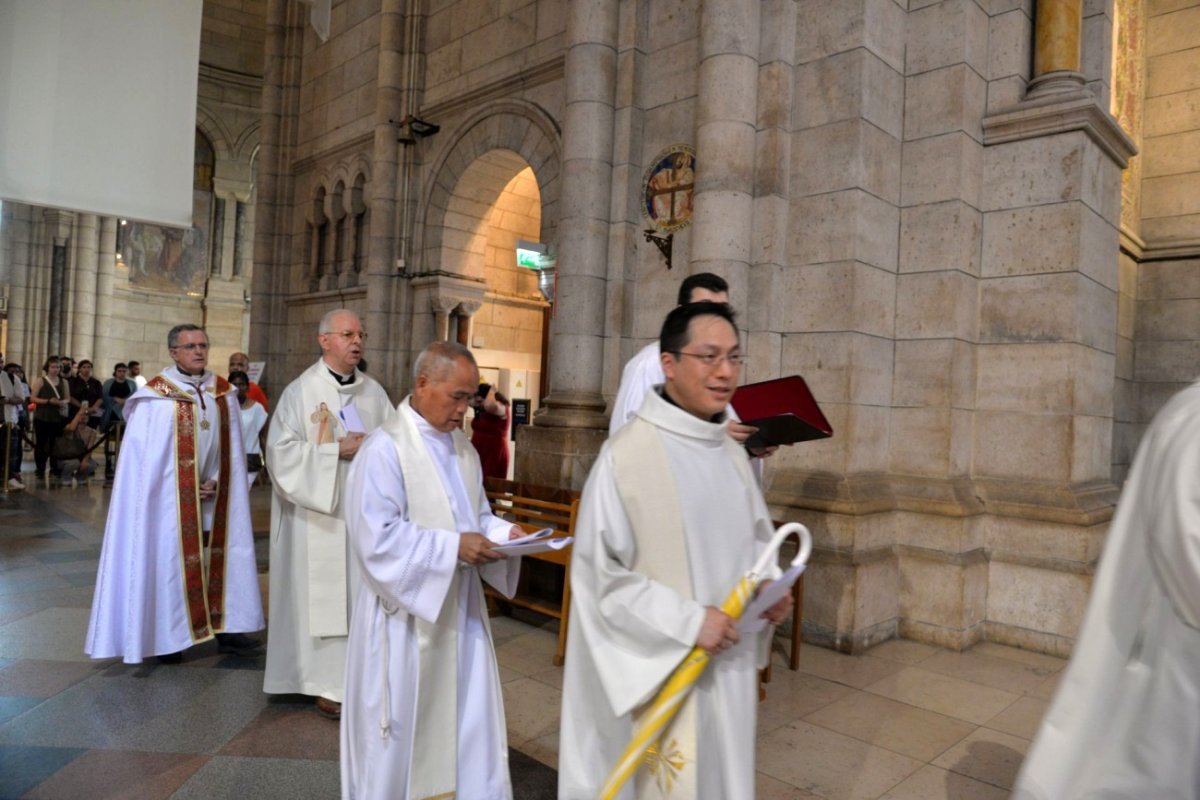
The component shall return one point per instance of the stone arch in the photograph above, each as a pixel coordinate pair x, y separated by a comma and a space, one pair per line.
519, 127
217, 132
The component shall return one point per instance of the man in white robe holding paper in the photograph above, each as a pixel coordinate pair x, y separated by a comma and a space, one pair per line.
319, 423
1124, 723
178, 566
670, 520
424, 717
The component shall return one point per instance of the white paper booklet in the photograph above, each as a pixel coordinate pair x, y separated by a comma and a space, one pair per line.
538, 542
351, 419
751, 620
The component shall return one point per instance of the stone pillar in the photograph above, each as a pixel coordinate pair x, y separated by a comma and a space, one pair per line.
102, 354
1057, 47
83, 319
273, 257
397, 31
58, 233
726, 116
442, 306
466, 316
20, 277
559, 447
1046, 363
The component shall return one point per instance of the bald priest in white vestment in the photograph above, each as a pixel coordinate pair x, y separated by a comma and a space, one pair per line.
1125, 721
177, 565
670, 521
423, 716
318, 425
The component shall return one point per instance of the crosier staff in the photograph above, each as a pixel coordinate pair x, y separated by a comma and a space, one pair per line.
677, 687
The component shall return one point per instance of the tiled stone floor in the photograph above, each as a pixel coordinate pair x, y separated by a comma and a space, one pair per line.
904, 722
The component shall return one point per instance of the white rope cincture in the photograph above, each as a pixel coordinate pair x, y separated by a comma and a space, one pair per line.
385, 724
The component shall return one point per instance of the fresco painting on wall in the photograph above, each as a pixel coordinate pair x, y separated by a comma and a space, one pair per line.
172, 259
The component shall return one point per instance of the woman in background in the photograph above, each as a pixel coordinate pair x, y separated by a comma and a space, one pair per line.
254, 424
489, 430
52, 399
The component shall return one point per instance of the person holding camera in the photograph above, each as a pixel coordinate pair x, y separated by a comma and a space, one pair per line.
489, 430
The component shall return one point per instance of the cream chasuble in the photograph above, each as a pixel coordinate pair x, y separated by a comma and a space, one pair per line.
311, 579
423, 715
670, 520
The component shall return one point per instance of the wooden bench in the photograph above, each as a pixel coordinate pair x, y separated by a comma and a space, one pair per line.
534, 508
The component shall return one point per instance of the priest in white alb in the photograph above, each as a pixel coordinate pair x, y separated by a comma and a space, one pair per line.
423, 715
177, 566
318, 425
1125, 720
670, 520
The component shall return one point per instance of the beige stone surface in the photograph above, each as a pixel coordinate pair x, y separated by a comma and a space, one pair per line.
935, 783
940, 168
846, 225
986, 755
892, 725
942, 694
944, 100
856, 84
948, 33
934, 373
936, 305
826, 30
1057, 307
844, 155
1069, 378
1038, 599
940, 236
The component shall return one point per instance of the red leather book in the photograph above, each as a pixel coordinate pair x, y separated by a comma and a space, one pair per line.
783, 410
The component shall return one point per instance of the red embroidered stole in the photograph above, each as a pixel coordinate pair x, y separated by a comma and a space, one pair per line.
204, 589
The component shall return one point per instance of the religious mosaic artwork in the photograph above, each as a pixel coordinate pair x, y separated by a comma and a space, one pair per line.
668, 187
170, 259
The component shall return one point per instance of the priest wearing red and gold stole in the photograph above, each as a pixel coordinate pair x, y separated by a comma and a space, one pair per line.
177, 566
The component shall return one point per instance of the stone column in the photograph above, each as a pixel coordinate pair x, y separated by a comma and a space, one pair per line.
102, 354
58, 233
466, 315
397, 29
83, 319
559, 447
1046, 365
20, 277
726, 115
1057, 51
442, 306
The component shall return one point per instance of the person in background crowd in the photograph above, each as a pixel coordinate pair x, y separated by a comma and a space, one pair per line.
240, 362
11, 400
489, 430
52, 399
87, 392
116, 391
135, 374
254, 423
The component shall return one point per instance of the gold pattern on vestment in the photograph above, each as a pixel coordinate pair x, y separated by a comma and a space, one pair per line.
665, 764
204, 425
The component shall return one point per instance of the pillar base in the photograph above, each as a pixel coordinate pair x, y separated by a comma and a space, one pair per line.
1059, 82
560, 457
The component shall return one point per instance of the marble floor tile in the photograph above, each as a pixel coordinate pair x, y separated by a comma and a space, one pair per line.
793, 697
551, 677
829, 764
238, 778
531, 710
23, 767
11, 707
1047, 688
529, 653
141, 708
1021, 719
1048, 664
856, 671
953, 697
543, 748
903, 650
995, 672
40, 678
986, 755
899, 727
768, 788
55, 633
61, 556
129, 776
283, 732
934, 783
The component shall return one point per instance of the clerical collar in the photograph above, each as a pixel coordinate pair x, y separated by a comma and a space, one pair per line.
662, 392
343, 380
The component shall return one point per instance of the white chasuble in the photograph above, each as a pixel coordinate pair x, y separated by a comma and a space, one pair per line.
423, 715
312, 582
632, 623
1124, 723
159, 588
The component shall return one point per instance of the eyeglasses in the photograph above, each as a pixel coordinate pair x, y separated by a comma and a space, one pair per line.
190, 346
712, 360
349, 336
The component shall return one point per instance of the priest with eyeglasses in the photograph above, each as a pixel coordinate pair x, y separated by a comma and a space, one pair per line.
318, 425
177, 567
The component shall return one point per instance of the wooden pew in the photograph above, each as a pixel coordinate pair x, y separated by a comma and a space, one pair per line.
533, 508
